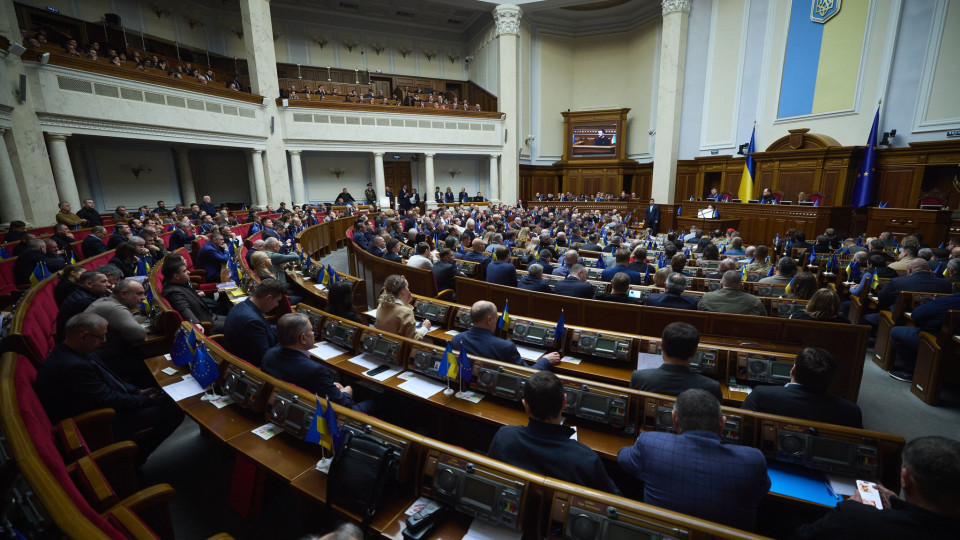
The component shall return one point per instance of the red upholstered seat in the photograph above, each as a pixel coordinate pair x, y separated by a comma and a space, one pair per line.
40, 321
166, 239
41, 433
78, 250
7, 283
816, 198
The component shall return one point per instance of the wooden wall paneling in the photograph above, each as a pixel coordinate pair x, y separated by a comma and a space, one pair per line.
792, 182
643, 180
897, 185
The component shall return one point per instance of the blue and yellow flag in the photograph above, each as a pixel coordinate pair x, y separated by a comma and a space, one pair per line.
449, 368
147, 300
601, 262
331, 418
790, 285
40, 273
318, 432
560, 330
504, 320
143, 267
4, 254
746, 180
73, 258
874, 281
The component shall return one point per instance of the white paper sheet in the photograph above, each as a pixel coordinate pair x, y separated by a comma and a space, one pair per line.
529, 354
267, 431
365, 360
422, 387
326, 350
170, 371
841, 485
648, 360
321, 286
386, 374
571, 360
481, 530
452, 332
183, 389
371, 313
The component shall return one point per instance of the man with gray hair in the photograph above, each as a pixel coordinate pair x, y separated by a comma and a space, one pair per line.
730, 299
289, 360
256, 246
534, 281
480, 341
693, 472
575, 284
570, 258
124, 333
72, 380
673, 296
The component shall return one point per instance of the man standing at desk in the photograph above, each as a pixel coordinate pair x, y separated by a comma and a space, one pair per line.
929, 509
652, 216
602, 139
678, 345
693, 472
480, 341
544, 446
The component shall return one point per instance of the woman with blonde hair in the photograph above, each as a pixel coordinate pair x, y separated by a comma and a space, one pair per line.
394, 312
260, 265
660, 278
824, 306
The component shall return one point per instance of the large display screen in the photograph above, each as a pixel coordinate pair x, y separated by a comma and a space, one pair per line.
594, 139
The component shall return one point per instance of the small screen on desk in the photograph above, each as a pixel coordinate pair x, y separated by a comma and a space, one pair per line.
605, 345
617, 531
431, 310
781, 369
382, 346
536, 332
479, 492
507, 382
831, 451
593, 403
295, 416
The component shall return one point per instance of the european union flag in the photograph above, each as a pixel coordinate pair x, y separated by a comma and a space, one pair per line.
865, 184
679, 210
183, 351
646, 275
770, 271
466, 370
504, 320
559, 330
204, 368
601, 262
4, 254
331, 418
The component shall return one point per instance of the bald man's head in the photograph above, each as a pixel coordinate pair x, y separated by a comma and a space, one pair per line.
477, 244
917, 265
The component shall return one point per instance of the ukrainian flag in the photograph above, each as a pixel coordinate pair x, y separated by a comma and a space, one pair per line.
745, 192
504, 321
319, 433
40, 273
874, 281
789, 285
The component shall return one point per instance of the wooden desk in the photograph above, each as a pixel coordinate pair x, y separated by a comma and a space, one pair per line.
759, 223
933, 224
705, 224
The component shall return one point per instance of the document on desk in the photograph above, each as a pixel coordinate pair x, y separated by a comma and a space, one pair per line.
321, 286
841, 485
452, 332
529, 354
481, 530
183, 389
266, 431
370, 362
421, 387
648, 360
326, 350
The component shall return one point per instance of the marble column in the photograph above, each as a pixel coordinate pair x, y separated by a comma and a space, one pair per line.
296, 174
250, 178
427, 196
673, 50
10, 206
188, 190
260, 183
507, 19
80, 173
62, 170
262, 67
494, 193
379, 179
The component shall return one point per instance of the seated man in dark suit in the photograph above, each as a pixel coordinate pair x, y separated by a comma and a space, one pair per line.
212, 256
72, 380
679, 344
445, 270
480, 341
34, 254
246, 333
929, 507
183, 236
639, 264
378, 246
289, 360
570, 258
805, 396
619, 291
183, 299
268, 231
623, 259
919, 278
544, 446
93, 244
501, 270
693, 472
545, 261
592, 244
673, 296
121, 233
575, 284
534, 281
91, 286
393, 251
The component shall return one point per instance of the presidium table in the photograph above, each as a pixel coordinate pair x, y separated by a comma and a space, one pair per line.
759, 223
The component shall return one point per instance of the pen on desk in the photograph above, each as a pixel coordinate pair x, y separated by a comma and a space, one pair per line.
830, 489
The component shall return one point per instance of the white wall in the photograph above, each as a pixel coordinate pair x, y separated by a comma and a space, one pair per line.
322, 185
222, 174
475, 176
109, 162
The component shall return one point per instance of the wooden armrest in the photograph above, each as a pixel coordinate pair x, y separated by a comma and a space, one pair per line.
96, 427
444, 294
207, 327
118, 466
91, 482
887, 316
130, 523
152, 506
196, 280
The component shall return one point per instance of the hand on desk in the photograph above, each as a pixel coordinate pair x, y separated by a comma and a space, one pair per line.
345, 389
553, 358
150, 392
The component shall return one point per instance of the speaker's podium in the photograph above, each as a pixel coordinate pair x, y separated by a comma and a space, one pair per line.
704, 220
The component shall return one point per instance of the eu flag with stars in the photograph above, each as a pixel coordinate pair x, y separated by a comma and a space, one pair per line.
601, 262
204, 368
4, 254
559, 330
865, 184
183, 351
466, 370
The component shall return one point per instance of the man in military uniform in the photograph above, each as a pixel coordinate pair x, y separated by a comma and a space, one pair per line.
370, 194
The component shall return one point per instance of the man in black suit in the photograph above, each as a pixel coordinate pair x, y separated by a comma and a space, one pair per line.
289, 360
476, 254
534, 281
393, 249
678, 345
91, 285
183, 299
919, 278
766, 197
182, 237
72, 380
121, 233
207, 205
445, 270
805, 396
545, 261
93, 244
502, 270
619, 290
602, 139
89, 213
34, 254
592, 244
652, 216
673, 297
267, 232
575, 284
246, 333
378, 246
639, 263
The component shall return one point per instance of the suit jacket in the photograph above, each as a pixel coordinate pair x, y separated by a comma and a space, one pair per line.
77, 302
187, 303
123, 330
393, 257
571, 286
672, 300
92, 246
463, 197
608, 274
638, 267
850, 519
592, 247
530, 284
671, 379
444, 273
212, 258
621, 298
247, 334
208, 207
28, 260
696, 474
547, 449
797, 401
438, 196
547, 267
69, 383
731, 301
64, 288
479, 258
917, 281
502, 273
481, 342
652, 215
268, 233
296, 367
92, 216
178, 239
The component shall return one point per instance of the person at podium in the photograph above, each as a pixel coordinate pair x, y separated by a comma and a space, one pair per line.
714, 195
602, 139
766, 197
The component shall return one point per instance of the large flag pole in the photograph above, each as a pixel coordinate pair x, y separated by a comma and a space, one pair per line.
745, 193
